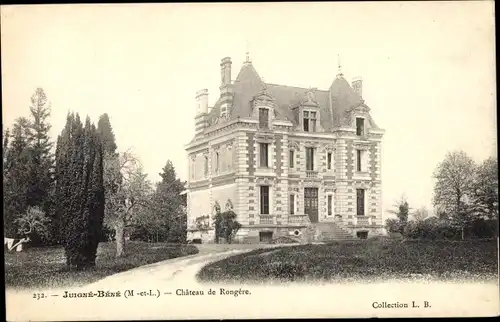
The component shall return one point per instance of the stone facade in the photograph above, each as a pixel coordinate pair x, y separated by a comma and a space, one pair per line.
295, 162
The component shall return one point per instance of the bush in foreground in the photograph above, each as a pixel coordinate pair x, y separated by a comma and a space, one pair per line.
359, 260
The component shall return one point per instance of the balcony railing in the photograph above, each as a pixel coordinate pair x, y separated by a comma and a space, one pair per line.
363, 220
266, 219
298, 219
311, 174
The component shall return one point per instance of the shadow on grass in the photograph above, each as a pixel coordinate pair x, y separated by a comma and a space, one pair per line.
44, 268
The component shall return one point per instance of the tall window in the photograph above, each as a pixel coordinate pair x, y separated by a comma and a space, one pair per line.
329, 160
264, 147
359, 157
310, 159
229, 157
360, 199
330, 205
206, 166
309, 121
264, 200
216, 162
360, 126
291, 159
292, 204
263, 118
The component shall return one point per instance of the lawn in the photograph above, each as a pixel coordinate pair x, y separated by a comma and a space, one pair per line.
349, 261
44, 267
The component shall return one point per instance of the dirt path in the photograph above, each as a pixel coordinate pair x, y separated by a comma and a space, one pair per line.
173, 272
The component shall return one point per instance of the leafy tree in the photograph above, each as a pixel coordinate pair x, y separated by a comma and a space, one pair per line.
226, 225
402, 212
79, 191
169, 203
16, 175
33, 221
393, 225
454, 186
485, 189
420, 214
128, 190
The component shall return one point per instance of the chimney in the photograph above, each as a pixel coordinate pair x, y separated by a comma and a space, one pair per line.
357, 86
202, 101
226, 91
200, 119
225, 65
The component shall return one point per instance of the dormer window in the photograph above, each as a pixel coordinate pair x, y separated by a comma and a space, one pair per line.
360, 126
263, 118
309, 121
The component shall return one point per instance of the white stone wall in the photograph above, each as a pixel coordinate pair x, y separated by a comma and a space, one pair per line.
221, 194
199, 205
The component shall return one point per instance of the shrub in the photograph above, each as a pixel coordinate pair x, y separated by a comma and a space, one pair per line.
226, 225
283, 240
289, 271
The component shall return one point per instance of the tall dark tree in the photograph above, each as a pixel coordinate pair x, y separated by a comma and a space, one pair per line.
79, 191
40, 174
5, 151
113, 178
170, 203
16, 178
106, 134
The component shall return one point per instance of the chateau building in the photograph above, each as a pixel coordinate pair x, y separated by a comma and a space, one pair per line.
298, 162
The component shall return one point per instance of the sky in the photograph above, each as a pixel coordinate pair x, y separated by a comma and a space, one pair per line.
428, 71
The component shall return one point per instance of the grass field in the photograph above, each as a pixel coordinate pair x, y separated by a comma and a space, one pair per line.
45, 267
366, 260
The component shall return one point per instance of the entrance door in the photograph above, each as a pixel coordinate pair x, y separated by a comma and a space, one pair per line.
311, 203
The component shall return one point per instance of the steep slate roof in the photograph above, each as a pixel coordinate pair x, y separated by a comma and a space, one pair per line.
248, 83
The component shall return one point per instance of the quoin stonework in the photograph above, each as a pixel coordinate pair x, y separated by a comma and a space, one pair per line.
304, 163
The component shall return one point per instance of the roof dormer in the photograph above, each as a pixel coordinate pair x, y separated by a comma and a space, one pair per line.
264, 108
309, 115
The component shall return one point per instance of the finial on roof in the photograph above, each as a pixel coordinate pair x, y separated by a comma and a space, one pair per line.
247, 54
339, 72
264, 85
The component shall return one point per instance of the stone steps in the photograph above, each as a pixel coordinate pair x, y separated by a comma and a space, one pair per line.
331, 231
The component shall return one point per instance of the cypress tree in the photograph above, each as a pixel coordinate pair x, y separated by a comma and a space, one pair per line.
106, 134
79, 175
170, 202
